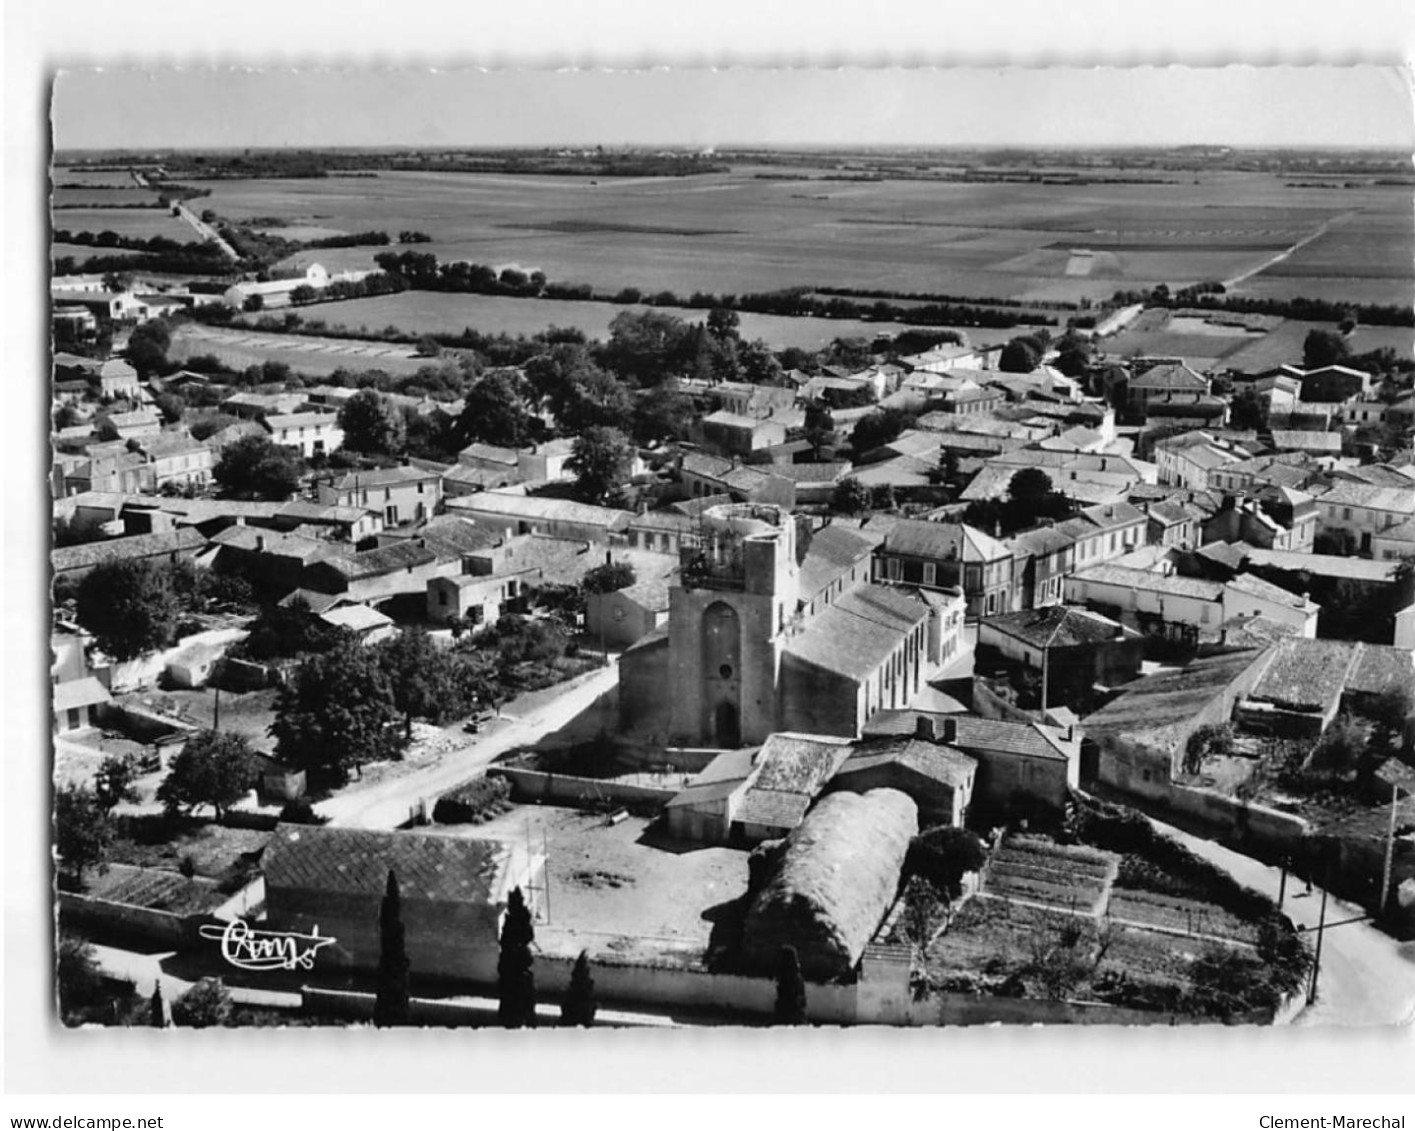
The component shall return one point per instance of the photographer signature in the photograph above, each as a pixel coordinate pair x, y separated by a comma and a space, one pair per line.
249, 949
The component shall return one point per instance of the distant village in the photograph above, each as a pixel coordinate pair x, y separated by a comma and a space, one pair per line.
911, 688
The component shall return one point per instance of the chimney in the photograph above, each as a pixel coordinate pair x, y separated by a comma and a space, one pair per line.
260, 543
950, 730
924, 728
608, 557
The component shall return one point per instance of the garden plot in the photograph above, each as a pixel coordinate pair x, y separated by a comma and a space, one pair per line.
994, 937
1174, 915
1065, 877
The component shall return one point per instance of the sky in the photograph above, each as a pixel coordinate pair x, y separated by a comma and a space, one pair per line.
1058, 106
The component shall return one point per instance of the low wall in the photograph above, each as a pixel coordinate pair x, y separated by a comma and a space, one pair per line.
571, 790
128, 919
981, 1009
144, 725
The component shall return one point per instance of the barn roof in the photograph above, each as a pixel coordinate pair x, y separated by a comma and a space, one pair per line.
435, 869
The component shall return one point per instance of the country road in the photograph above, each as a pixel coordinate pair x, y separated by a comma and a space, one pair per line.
1366, 978
387, 805
1272, 261
207, 232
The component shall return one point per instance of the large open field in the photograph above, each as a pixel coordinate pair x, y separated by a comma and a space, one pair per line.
316, 356
141, 223
423, 312
737, 232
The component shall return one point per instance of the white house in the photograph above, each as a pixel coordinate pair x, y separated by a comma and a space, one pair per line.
309, 433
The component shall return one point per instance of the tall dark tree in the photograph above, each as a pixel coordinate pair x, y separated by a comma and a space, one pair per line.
790, 989
580, 1006
391, 1007
664, 412
515, 974
641, 345
1030, 485
883, 426
147, 347
722, 323
372, 424
592, 399
419, 673
156, 1009
131, 607
114, 781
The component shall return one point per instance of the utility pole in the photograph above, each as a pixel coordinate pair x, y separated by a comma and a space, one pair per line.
216, 714
1317, 958
1390, 850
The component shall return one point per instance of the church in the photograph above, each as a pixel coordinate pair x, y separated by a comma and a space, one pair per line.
773, 627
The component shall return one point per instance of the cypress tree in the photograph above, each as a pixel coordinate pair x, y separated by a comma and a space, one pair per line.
580, 1006
391, 1007
790, 990
515, 980
156, 1011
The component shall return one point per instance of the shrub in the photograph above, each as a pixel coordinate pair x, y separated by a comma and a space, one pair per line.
206, 1004
472, 802
301, 812
943, 855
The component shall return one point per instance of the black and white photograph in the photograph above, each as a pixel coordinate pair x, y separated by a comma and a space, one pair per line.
719, 549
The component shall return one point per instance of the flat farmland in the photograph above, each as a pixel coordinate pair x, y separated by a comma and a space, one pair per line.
117, 178
108, 197
139, 223
736, 232
427, 312
316, 356
1284, 345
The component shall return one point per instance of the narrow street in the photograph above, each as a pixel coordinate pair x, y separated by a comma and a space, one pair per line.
388, 804
1366, 978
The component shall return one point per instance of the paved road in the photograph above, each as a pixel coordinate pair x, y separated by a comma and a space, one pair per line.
207, 232
387, 805
1367, 977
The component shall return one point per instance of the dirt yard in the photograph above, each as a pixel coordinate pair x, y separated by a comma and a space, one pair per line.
613, 890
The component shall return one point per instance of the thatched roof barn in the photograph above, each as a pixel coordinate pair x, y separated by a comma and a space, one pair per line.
838, 873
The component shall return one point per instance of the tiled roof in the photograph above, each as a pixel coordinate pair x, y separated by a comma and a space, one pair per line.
450, 537
943, 541
274, 543
1057, 626
972, 733
798, 763
381, 477
83, 692
1398, 499
384, 559
834, 551
807, 472
92, 554
1151, 582
773, 808
531, 508
435, 869
940, 763
856, 634
356, 618
490, 453
1174, 376
1255, 586
302, 420
1380, 668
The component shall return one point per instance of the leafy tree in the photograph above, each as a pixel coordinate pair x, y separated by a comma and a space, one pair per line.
336, 713
601, 460
758, 364
883, 426
642, 345
722, 323
213, 769
282, 631
944, 855
254, 467
790, 989
207, 426
428, 346
579, 1007
372, 424
609, 577
83, 831
1322, 348
495, 412
1247, 411
593, 399
131, 607
207, 1004
420, 674
391, 1006
515, 975
78, 979
114, 781
156, 1008
171, 406
850, 497
663, 412
147, 348
1030, 485
1020, 355
253, 304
